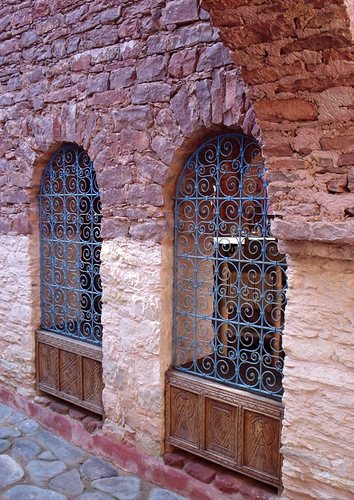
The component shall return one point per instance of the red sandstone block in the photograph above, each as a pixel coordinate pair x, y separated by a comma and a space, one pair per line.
227, 483
42, 400
59, 407
77, 414
93, 426
199, 471
174, 460
91, 423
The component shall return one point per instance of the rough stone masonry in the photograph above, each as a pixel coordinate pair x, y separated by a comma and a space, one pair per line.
139, 85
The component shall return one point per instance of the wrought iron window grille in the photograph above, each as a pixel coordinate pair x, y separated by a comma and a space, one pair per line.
229, 277
70, 247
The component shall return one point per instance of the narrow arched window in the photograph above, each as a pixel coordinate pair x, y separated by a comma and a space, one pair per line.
70, 220
229, 277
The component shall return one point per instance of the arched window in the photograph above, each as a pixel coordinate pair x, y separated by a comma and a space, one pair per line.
229, 277
70, 219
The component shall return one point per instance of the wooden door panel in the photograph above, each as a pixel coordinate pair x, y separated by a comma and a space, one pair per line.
48, 365
237, 429
261, 443
220, 428
92, 381
70, 369
185, 417
70, 374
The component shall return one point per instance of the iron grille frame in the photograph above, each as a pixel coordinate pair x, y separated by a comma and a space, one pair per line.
70, 206
266, 379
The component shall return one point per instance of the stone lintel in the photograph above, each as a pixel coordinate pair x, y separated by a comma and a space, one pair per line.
334, 240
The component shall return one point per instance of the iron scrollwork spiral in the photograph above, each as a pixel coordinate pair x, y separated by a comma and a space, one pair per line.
70, 224
229, 277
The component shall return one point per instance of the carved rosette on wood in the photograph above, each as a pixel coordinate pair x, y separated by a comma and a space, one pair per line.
228, 426
70, 369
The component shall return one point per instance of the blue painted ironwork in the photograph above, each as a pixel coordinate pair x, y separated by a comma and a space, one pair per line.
70, 222
229, 277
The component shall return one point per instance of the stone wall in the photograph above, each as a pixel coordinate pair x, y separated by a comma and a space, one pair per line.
138, 85
17, 314
297, 58
318, 382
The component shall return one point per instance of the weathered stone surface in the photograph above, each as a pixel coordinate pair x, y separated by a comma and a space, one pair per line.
40, 471
200, 471
27, 492
182, 63
286, 109
4, 445
213, 57
151, 69
97, 468
160, 494
71, 455
27, 426
24, 449
338, 185
10, 471
97, 495
180, 11
119, 487
67, 483
5, 412
122, 77
174, 459
9, 432
46, 455
151, 92
351, 179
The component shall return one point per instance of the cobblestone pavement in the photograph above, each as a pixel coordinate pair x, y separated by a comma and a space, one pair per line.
37, 465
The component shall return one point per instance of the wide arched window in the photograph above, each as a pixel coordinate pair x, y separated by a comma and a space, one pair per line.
229, 277
70, 219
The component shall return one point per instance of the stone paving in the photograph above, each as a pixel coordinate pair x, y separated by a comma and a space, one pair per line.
37, 465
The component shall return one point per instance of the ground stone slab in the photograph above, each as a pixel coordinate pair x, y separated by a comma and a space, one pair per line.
68, 483
63, 450
161, 494
9, 432
26, 492
16, 417
5, 412
97, 495
4, 445
24, 449
127, 488
96, 468
10, 471
46, 455
40, 471
28, 426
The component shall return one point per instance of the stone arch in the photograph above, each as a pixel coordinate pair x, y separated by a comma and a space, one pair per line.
44, 136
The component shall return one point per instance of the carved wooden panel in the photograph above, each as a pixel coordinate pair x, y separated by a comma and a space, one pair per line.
70, 370
236, 429
93, 385
48, 363
261, 442
185, 409
221, 427
70, 373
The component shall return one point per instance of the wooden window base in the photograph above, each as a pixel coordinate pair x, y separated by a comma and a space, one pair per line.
228, 426
69, 369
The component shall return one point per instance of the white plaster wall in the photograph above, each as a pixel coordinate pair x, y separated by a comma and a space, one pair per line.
17, 314
135, 356
319, 376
